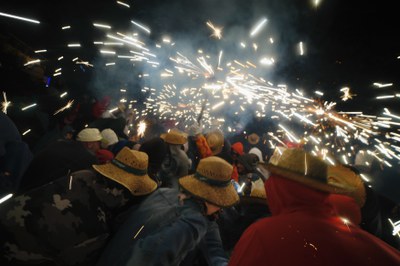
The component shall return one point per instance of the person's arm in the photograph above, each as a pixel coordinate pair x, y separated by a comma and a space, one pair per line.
170, 245
212, 248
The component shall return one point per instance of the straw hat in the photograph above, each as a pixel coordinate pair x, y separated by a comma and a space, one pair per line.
215, 140
297, 165
253, 138
345, 175
212, 182
174, 136
89, 135
129, 168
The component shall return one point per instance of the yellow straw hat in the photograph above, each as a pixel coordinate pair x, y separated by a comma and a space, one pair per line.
297, 165
215, 140
174, 136
212, 182
129, 168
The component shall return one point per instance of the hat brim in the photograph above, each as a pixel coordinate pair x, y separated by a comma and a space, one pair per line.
331, 187
220, 196
137, 185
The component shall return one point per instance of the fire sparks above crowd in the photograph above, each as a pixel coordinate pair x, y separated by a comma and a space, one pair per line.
216, 88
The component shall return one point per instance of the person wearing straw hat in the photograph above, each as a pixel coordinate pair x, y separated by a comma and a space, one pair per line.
164, 228
69, 220
303, 228
176, 163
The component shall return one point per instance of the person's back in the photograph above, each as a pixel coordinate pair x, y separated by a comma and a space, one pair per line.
304, 230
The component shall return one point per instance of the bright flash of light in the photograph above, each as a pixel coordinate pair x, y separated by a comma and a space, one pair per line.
141, 128
67, 106
18, 17
217, 31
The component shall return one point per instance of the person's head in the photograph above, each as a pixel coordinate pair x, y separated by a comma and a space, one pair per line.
68, 132
90, 138
109, 137
215, 140
253, 139
129, 168
212, 184
237, 150
256, 151
247, 163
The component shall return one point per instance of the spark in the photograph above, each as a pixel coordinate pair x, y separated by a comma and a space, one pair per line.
27, 107
258, 27
301, 48
396, 227
26, 132
6, 197
60, 58
74, 45
123, 4
40, 51
67, 106
141, 26
102, 26
5, 104
20, 18
32, 62
385, 97
65, 27
379, 85
217, 31
63, 94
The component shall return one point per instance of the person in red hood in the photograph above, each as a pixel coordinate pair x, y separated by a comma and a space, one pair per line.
303, 228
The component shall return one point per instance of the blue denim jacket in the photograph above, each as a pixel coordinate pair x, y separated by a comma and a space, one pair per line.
161, 232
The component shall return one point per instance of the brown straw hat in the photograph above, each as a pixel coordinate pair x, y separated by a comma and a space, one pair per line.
345, 175
215, 140
129, 168
174, 136
212, 182
297, 165
253, 138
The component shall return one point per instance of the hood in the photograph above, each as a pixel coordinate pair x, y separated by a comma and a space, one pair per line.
285, 196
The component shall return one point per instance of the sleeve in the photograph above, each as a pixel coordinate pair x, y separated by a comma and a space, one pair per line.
203, 147
170, 245
212, 248
248, 250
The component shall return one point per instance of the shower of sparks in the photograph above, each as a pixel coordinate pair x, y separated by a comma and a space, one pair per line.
258, 27
141, 128
5, 104
219, 88
217, 31
67, 106
20, 18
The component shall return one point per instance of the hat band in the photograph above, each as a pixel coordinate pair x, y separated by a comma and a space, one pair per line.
211, 182
128, 169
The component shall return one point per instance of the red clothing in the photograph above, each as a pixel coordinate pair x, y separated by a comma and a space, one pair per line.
303, 230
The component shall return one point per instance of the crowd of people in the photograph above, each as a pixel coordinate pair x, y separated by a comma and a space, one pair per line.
100, 196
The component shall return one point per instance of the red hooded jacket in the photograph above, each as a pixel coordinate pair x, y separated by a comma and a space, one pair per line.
303, 230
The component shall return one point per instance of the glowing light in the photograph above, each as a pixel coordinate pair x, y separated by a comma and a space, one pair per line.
67, 106
217, 31
101, 26
27, 107
26, 132
141, 128
40, 51
123, 4
32, 62
396, 227
74, 45
5, 104
301, 48
65, 27
141, 26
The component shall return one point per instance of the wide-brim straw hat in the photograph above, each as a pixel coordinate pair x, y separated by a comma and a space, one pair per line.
300, 166
129, 168
212, 182
174, 136
215, 140
253, 138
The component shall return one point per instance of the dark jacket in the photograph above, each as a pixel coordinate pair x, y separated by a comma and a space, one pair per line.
162, 232
65, 222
